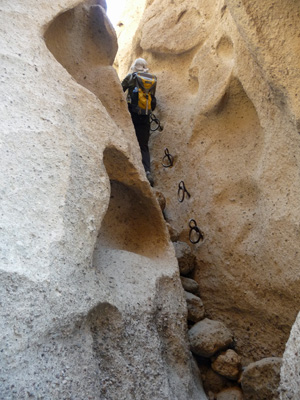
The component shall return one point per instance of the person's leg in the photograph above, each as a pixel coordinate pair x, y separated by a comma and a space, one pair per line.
145, 156
142, 129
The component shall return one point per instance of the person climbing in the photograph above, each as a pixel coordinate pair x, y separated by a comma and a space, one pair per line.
141, 101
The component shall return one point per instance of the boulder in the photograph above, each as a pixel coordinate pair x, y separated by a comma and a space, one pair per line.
186, 260
260, 379
228, 364
189, 285
233, 393
195, 307
214, 382
208, 336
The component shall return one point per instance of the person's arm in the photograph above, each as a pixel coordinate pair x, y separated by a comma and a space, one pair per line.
153, 103
126, 82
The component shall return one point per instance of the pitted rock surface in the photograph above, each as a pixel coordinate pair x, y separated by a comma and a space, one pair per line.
92, 306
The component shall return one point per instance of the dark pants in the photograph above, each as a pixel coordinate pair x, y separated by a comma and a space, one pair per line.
142, 129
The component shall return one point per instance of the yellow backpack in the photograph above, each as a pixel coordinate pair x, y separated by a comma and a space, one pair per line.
143, 96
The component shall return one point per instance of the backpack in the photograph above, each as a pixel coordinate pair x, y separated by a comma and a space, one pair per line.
142, 99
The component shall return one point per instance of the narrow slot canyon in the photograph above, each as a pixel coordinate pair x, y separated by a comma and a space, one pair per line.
113, 289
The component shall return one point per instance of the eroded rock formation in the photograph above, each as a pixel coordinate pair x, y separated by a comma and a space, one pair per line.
91, 301
228, 80
290, 371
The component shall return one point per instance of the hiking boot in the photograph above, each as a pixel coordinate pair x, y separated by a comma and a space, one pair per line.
150, 178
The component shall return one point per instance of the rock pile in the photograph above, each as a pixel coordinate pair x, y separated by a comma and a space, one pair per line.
209, 339
212, 344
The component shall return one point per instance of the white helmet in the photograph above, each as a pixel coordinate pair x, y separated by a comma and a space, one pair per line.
140, 65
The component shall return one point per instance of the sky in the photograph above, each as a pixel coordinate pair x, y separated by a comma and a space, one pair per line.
114, 10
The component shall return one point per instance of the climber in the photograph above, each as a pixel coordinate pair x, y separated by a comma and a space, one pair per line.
141, 101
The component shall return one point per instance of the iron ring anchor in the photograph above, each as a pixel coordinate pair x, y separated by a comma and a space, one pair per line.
182, 191
194, 228
169, 157
155, 123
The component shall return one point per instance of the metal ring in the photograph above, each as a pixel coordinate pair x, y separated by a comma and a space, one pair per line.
192, 221
194, 227
182, 189
157, 125
169, 157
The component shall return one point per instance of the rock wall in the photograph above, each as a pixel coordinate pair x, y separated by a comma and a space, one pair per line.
228, 77
290, 371
91, 302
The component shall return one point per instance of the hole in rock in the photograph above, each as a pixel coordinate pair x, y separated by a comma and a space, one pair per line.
81, 38
83, 41
133, 221
225, 48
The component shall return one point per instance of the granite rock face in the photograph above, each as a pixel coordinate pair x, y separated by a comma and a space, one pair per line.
228, 81
82, 235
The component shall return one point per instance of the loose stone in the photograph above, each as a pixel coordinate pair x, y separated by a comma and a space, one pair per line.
189, 285
208, 336
260, 379
230, 394
186, 260
195, 307
228, 364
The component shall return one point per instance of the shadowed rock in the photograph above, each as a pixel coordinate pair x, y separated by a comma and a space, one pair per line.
228, 364
186, 260
189, 284
195, 307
